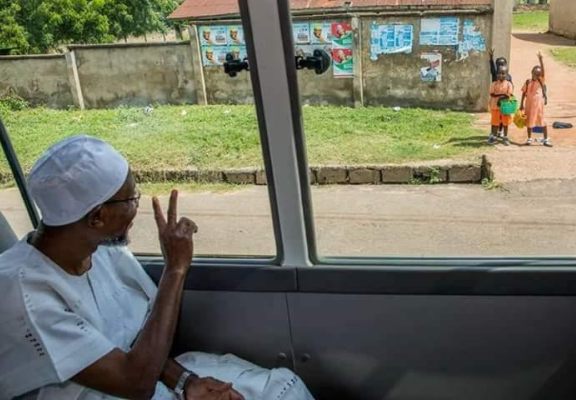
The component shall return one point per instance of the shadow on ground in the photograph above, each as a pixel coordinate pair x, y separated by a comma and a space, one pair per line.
471, 141
544, 38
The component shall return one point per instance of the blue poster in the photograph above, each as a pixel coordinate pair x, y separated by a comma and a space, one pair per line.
390, 39
238, 52
236, 35
321, 32
441, 31
301, 31
215, 35
472, 40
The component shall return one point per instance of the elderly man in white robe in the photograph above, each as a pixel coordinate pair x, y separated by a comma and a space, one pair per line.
79, 317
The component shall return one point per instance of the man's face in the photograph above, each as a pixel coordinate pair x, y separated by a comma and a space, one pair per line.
121, 211
234, 35
210, 55
318, 32
206, 35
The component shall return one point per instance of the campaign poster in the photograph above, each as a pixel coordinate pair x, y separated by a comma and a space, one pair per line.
236, 35
238, 52
213, 35
431, 69
321, 33
343, 63
341, 35
472, 40
441, 31
390, 39
214, 55
301, 32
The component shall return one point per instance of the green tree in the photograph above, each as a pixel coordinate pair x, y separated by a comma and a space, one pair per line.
52, 23
12, 34
40, 26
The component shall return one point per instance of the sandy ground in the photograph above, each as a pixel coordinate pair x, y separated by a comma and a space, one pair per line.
522, 163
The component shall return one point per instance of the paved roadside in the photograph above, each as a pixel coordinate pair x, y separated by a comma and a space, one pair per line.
532, 219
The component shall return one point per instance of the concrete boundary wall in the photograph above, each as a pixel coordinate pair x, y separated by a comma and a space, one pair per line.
135, 74
40, 79
563, 18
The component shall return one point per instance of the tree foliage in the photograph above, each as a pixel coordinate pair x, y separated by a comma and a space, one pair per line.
12, 34
35, 26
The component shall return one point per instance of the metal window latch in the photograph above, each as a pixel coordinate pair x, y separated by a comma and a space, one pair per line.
319, 61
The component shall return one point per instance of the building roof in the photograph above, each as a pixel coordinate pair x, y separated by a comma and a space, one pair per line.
202, 9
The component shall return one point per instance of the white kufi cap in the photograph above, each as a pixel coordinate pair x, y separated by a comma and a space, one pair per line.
74, 176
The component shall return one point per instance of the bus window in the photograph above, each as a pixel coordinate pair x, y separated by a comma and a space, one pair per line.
397, 142
211, 153
15, 221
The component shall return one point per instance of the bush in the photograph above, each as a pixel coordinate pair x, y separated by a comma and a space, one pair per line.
13, 102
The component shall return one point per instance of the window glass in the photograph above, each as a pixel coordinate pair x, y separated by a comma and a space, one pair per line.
172, 111
397, 134
12, 207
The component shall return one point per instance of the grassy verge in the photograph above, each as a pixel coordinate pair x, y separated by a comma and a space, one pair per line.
219, 137
565, 55
536, 21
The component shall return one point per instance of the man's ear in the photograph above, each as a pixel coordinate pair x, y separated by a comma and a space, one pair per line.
96, 217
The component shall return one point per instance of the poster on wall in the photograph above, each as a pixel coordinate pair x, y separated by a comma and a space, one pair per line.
301, 31
343, 62
238, 52
321, 33
236, 35
431, 70
214, 55
341, 35
213, 35
472, 40
390, 39
442, 31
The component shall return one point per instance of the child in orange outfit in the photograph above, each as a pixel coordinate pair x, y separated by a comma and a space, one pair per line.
501, 89
533, 101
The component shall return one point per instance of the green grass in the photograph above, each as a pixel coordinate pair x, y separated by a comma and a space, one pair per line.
162, 188
218, 137
565, 55
531, 21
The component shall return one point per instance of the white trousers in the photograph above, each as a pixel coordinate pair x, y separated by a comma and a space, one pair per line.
252, 381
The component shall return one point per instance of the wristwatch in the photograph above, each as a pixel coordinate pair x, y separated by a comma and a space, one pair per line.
181, 384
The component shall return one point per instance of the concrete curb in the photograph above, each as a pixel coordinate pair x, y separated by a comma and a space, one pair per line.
417, 173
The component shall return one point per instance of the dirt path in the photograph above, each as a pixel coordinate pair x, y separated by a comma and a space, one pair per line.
522, 163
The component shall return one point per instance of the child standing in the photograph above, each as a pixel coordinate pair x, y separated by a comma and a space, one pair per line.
533, 101
494, 67
500, 90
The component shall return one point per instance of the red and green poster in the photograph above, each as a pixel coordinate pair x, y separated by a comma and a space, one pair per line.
343, 62
342, 35
342, 54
